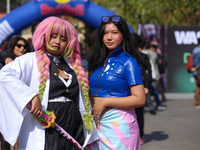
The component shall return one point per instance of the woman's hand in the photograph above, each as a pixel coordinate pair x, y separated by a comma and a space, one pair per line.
36, 109
99, 106
86, 148
146, 90
8, 60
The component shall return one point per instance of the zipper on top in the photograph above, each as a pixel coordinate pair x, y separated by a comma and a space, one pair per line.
105, 63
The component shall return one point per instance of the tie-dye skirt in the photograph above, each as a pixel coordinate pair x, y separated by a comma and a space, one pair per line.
117, 130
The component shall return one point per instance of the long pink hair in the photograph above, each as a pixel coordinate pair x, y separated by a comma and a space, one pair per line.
41, 40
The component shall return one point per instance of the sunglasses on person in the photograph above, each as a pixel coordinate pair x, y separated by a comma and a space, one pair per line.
113, 18
20, 45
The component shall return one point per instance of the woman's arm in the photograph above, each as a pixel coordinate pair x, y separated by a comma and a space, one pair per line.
92, 103
8, 60
136, 99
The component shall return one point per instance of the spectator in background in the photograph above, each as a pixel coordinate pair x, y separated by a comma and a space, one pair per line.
33, 28
147, 79
84, 59
86, 53
93, 38
154, 41
34, 25
150, 107
196, 67
17, 46
4, 45
152, 53
3, 48
162, 65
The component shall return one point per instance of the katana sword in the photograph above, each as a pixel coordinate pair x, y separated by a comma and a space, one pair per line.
48, 120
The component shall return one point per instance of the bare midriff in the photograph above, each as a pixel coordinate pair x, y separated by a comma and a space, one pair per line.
106, 110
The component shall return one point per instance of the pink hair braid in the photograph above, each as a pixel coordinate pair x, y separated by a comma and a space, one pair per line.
81, 76
43, 66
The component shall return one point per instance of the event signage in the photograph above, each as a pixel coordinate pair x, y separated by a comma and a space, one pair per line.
78, 10
23, 17
181, 41
186, 37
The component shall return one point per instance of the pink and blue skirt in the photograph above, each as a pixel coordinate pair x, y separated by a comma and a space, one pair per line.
117, 130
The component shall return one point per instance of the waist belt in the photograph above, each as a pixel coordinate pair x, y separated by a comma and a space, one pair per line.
60, 99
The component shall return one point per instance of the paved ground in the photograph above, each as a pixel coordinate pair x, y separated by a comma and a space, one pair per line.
176, 128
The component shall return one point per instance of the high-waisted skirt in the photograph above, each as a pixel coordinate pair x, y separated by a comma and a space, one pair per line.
69, 118
117, 130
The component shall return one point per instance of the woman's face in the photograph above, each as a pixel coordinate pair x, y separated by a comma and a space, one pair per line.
20, 48
57, 42
112, 37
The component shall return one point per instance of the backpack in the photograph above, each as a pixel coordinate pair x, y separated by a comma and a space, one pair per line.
162, 63
189, 63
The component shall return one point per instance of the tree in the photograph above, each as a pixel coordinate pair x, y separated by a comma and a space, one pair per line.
12, 3
163, 12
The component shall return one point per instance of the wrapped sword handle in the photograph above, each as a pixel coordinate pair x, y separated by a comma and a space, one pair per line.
47, 118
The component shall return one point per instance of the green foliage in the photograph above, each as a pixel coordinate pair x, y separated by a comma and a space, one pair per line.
163, 12
12, 2
87, 31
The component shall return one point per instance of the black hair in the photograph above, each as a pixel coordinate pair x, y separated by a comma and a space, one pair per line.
4, 45
137, 40
154, 46
34, 25
83, 51
93, 37
12, 43
142, 45
147, 45
100, 52
198, 40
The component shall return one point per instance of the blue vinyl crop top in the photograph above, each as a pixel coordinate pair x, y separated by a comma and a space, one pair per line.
116, 75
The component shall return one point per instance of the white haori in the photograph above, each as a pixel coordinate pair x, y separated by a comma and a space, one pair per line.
18, 85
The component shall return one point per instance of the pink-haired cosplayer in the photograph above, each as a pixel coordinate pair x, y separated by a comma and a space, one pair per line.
38, 76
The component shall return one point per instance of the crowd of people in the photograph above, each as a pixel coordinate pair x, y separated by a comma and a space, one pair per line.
99, 97
153, 81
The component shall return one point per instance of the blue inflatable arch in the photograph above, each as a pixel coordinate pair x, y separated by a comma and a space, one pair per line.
24, 16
